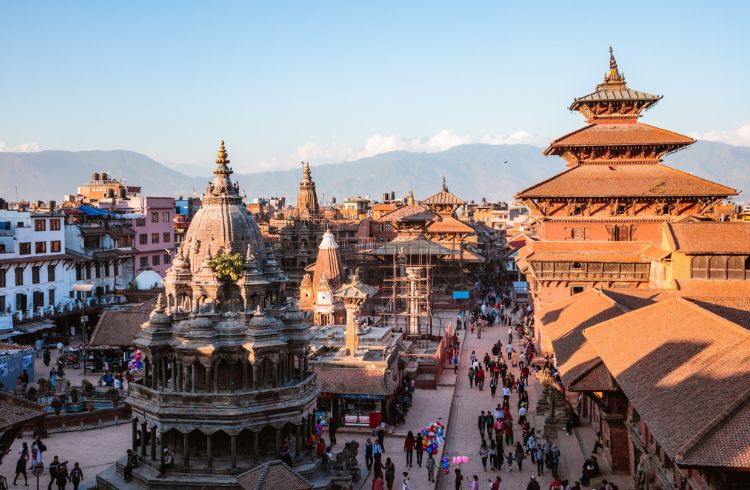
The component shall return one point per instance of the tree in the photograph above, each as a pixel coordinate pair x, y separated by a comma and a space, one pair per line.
227, 267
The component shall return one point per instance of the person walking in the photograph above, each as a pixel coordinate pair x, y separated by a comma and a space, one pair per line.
506, 394
496, 484
481, 424
493, 454
332, 428
493, 386
483, 454
489, 423
23, 460
405, 485
377, 466
131, 463
514, 358
471, 377
377, 483
599, 442
554, 461
418, 443
459, 478
62, 475
533, 484
53, 472
368, 454
474, 485
479, 378
76, 475
409, 448
539, 459
430, 464
519, 455
509, 461
510, 337
390, 473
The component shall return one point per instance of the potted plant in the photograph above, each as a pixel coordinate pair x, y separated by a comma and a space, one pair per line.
44, 385
114, 395
57, 404
74, 395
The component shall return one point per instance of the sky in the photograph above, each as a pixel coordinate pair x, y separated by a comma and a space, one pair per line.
323, 81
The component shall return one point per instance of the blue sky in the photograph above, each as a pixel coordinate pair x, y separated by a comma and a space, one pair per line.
324, 81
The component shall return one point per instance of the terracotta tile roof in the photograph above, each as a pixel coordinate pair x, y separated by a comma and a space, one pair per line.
626, 134
704, 288
449, 224
273, 475
563, 323
14, 411
652, 180
353, 380
585, 251
655, 253
711, 237
416, 212
687, 373
118, 327
735, 310
443, 197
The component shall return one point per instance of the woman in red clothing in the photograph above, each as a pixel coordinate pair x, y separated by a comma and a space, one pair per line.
409, 448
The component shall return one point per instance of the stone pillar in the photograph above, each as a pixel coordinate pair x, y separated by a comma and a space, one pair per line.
231, 377
209, 377
256, 446
233, 449
193, 377
255, 375
298, 440
164, 374
275, 382
135, 435
244, 374
210, 450
144, 438
186, 449
215, 387
153, 443
162, 445
277, 436
352, 329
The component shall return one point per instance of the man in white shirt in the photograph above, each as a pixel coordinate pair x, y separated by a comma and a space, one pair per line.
509, 350
506, 394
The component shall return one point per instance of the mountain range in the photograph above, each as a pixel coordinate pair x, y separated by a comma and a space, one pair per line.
473, 171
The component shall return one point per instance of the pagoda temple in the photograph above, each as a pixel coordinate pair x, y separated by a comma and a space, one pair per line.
226, 385
307, 197
596, 221
316, 292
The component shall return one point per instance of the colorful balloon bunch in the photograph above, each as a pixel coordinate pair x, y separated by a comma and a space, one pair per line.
432, 437
136, 363
460, 459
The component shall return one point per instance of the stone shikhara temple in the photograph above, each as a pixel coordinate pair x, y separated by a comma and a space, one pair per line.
226, 385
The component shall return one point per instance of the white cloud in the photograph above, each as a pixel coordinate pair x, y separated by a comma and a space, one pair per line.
378, 143
739, 136
20, 148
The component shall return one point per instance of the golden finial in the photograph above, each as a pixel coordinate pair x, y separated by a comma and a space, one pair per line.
223, 156
445, 186
410, 199
613, 75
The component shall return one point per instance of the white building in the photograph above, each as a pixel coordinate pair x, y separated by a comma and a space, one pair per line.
33, 263
50, 268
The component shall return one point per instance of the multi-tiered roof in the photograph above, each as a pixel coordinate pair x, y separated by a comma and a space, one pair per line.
616, 155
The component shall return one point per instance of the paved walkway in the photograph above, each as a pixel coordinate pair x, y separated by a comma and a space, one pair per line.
94, 450
463, 434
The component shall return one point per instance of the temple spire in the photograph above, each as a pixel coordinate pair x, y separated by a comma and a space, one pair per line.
410, 199
613, 77
445, 186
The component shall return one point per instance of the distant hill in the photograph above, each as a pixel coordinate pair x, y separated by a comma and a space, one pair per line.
472, 171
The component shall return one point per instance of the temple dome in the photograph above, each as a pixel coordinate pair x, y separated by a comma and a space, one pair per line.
222, 224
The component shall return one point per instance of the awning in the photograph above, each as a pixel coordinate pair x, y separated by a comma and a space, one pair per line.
7, 335
84, 287
36, 326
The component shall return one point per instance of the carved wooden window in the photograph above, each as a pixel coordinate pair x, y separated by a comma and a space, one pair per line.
699, 267
736, 267
577, 289
717, 267
578, 233
622, 233
576, 266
